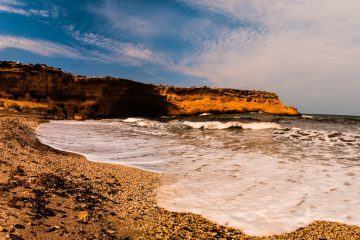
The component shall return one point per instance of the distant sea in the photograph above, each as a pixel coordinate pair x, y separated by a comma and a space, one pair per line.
259, 173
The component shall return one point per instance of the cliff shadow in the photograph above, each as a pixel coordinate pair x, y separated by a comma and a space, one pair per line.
127, 98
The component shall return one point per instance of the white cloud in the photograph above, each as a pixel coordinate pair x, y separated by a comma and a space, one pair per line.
11, 2
139, 53
41, 47
10, 9
111, 50
308, 51
17, 7
42, 13
121, 17
151, 22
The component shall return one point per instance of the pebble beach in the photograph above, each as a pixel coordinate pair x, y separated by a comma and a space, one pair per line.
51, 194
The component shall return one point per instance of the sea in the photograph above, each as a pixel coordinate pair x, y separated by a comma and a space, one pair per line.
259, 173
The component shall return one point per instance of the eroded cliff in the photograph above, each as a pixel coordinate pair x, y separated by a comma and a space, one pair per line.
198, 100
57, 94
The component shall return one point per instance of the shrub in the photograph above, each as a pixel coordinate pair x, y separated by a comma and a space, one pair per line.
5, 65
36, 67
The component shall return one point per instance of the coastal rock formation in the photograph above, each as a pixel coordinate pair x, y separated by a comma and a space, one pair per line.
197, 100
37, 88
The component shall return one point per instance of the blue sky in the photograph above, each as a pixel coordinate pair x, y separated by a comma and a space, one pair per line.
306, 52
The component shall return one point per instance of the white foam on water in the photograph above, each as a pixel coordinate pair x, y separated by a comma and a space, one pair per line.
143, 122
320, 138
263, 195
265, 180
232, 124
108, 141
133, 120
260, 125
307, 116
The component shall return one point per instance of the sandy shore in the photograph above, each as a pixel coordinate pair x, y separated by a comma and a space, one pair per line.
49, 194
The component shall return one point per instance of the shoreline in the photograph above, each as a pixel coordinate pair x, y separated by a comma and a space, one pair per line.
100, 162
52, 194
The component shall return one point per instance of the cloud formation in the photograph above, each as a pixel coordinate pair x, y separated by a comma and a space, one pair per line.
17, 7
40, 47
307, 51
11, 2
112, 50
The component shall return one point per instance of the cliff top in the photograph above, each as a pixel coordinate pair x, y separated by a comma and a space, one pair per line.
10, 66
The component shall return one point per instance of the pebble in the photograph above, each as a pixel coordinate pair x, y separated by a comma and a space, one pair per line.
19, 226
141, 218
15, 237
53, 228
83, 215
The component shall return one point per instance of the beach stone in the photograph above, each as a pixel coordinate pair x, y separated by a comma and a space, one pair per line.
51, 229
110, 231
19, 226
83, 215
15, 237
157, 223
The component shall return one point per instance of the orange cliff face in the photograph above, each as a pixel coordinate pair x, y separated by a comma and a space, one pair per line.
56, 94
198, 100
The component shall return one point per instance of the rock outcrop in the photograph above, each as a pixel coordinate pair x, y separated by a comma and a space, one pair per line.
57, 94
198, 100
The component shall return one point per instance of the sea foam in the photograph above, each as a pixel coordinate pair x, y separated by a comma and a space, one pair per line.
270, 178
232, 124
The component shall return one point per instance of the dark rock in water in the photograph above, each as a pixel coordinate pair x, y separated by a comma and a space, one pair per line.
346, 140
295, 136
15, 237
334, 135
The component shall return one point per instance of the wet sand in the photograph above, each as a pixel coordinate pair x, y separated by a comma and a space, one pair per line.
50, 194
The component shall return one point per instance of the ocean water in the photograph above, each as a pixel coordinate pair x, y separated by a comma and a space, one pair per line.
259, 173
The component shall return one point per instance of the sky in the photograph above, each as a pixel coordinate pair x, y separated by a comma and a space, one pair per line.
308, 52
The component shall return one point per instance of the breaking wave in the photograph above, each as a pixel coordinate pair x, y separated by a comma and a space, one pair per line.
319, 137
307, 116
227, 125
203, 125
279, 174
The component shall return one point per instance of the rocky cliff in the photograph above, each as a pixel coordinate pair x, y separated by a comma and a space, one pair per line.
57, 94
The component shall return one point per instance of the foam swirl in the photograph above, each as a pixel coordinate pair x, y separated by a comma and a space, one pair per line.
232, 124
